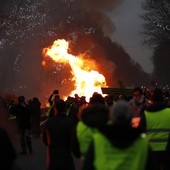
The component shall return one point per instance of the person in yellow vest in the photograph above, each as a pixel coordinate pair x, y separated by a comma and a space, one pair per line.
118, 146
157, 117
84, 136
88, 117
91, 117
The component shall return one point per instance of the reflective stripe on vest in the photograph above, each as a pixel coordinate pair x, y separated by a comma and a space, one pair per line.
158, 128
158, 140
108, 157
163, 140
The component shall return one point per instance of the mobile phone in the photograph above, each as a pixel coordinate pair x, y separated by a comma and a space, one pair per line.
55, 92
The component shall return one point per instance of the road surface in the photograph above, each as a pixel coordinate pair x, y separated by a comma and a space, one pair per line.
36, 161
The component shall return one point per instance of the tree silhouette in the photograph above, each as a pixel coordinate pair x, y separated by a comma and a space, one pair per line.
156, 16
156, 32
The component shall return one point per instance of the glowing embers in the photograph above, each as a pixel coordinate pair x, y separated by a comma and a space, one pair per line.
84, 72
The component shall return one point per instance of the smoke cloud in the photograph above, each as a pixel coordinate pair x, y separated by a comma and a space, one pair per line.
31, 25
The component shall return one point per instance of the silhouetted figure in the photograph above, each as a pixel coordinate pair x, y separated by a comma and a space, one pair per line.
54, 97
7, 152
52, 100
57, 136
96, 98
117, 146
23, 121
34, 106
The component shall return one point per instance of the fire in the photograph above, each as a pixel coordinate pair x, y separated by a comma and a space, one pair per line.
83, 69
43, 63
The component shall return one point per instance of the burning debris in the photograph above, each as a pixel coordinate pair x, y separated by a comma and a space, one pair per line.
83, 69
32, 25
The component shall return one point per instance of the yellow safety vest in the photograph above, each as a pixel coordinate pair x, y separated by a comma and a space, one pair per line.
85, 136
158, 128
108, 157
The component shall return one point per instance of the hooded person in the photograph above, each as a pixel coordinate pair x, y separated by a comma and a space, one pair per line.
118, 145
90, 117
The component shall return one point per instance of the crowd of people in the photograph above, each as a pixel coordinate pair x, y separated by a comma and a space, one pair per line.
107, 133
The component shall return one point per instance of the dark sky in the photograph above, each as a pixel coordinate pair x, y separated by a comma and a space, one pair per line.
37, 23
128, 26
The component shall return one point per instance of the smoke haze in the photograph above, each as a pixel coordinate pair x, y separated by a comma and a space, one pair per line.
32, 25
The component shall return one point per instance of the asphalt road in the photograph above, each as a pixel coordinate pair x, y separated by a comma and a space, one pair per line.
36, 161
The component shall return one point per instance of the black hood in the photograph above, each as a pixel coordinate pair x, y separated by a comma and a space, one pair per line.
120, 137
156, 107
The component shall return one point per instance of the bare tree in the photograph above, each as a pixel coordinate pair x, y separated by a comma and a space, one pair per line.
161, 63
156, 32
156, 16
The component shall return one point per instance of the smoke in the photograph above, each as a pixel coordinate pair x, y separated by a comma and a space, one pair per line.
31, 25
96, 13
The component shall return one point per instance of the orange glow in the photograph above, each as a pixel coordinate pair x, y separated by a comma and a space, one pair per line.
43, 63
47, 104
136, 122
84, 72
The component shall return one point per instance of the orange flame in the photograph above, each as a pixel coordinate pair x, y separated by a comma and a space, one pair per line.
43, 63
86, 79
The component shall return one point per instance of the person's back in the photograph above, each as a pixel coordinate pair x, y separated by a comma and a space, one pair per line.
92, 116
35, 108
109, 156
23, 120
118, 146
158, 128
22, 116
84, 136
57, 137
8, 153
59, 131
157, 117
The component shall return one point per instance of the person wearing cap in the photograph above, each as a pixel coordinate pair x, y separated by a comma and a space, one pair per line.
118, 146
157, 120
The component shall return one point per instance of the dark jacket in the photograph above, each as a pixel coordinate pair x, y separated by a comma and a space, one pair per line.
57, 136
7, 152
155, 107
22, 114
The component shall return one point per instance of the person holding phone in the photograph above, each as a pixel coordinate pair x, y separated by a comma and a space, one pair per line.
52, 100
